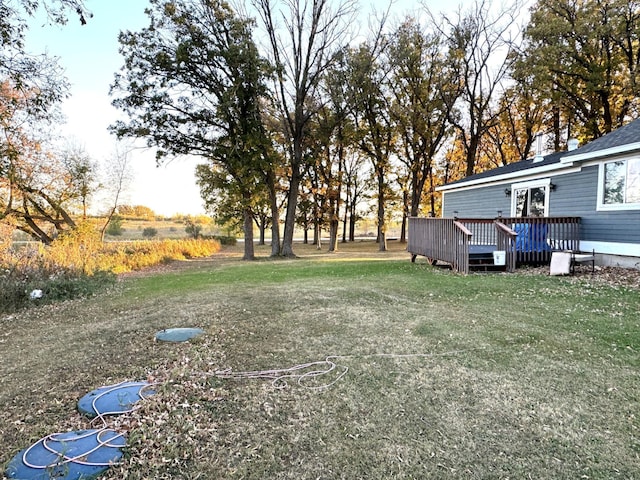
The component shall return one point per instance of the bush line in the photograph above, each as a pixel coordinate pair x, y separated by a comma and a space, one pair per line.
78, 263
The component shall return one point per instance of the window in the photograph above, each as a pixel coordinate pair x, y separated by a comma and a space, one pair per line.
530, 199
620, 184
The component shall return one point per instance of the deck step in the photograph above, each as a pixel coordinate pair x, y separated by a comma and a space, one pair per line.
487, 267
484, 263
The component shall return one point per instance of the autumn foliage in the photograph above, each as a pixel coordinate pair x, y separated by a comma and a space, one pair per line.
78, 263
82, 251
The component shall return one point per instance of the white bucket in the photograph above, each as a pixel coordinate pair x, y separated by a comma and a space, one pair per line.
499, 257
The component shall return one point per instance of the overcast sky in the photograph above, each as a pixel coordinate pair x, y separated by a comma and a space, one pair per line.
89, 55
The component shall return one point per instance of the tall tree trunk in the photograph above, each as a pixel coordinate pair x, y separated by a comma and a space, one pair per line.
334, 202
317, 221
352, 226
416, 193
262, 227
344, 225
606, 108
472, 152
382, 225
275, 214
247, 227
333, 233
432, 212
334, 223
317, 235
405, 215
347, 209
556, 129
292, 204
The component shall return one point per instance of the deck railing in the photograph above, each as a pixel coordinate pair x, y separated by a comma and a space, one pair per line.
538, 237
526, 240
506, 241
443, 239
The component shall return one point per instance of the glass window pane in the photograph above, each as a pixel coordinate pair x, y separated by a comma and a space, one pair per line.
614, 174
521, 203
632, 193
537, 200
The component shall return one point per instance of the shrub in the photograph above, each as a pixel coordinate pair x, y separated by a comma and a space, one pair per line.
5, 239
127, 256
76, 250
31, 271
194, 230
115, 226
150, 232
77, 264
225, 239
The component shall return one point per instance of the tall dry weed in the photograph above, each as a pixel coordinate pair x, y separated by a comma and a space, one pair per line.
78, 262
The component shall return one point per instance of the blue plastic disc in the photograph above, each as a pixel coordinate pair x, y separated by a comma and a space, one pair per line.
81, 454
178, 334
114, 399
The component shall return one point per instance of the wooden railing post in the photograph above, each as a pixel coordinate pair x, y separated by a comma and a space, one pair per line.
463, 236
506, 240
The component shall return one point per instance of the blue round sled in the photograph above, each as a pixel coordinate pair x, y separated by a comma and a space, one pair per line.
178, 334
80, 454
114, 399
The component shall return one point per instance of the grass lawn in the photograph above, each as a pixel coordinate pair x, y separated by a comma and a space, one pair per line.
445, 376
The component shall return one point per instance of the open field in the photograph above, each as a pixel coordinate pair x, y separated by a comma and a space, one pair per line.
445, 376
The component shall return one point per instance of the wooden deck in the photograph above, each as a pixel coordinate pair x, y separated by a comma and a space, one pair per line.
468, 243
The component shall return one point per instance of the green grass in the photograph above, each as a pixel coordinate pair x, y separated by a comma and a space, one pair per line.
483, 376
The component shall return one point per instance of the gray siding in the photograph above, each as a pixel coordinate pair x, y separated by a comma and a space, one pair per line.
478, 202
575, 196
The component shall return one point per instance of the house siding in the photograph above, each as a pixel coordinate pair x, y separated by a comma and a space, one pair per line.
575, 196
478, 202
575, 174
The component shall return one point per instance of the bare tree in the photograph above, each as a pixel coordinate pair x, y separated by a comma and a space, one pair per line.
303, 36
82, 171
118, 178
480, 52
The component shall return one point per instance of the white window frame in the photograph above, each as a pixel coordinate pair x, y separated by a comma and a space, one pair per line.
545, 182
608, 207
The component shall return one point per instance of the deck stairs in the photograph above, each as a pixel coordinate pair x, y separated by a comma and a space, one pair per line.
483, 261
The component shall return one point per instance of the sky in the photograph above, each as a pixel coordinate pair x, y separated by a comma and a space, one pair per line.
90, 58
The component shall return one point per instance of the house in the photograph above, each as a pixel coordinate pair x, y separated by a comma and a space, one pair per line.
598, 182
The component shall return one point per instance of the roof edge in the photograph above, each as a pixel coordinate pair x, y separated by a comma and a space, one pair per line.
505, 176
606, 152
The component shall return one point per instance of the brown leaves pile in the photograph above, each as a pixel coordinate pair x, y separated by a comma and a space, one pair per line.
605, 276
174, 426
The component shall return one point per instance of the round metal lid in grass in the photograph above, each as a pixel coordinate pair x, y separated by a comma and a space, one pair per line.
69, 456
178, 334
114, 399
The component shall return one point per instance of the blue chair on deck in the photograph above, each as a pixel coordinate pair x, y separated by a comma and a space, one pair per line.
531, 237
